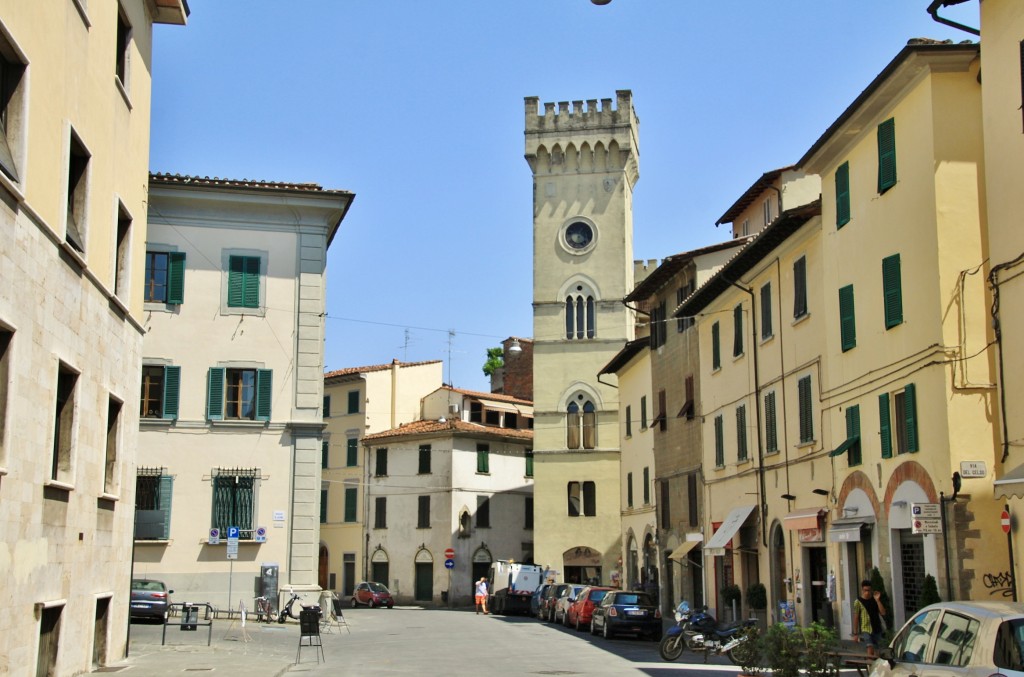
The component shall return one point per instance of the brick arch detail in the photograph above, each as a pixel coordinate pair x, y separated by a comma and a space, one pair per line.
913, 471
858, 479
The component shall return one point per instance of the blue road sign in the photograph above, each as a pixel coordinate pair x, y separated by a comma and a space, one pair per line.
232, 532
449, 564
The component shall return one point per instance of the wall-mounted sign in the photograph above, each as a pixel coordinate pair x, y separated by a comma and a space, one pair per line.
972, 469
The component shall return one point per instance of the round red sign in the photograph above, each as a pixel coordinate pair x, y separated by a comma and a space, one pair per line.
1004, 519
449, 554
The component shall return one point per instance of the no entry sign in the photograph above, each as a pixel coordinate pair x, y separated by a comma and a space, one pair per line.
449, 554
1004, 520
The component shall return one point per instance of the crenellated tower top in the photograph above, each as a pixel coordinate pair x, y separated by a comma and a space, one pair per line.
583, 137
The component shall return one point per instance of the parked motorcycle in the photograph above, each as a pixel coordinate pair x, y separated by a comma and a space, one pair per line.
287, 613
698, 631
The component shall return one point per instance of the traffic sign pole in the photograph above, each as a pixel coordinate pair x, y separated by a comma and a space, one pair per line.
1005, 521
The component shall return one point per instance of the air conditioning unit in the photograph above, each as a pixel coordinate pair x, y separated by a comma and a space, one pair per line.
453, 408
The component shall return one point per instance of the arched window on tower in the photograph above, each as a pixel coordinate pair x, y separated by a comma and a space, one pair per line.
581, 429
580, 314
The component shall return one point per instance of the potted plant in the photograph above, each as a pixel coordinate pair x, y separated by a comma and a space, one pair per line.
757, 602
782, 648
730, 594
878, 583
820, 647
929, 592
749, 654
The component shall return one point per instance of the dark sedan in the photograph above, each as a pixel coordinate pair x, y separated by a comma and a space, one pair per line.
548, 601
627, 611
150, 599
372, 594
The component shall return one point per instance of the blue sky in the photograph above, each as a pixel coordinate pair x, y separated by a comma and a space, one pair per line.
417, 107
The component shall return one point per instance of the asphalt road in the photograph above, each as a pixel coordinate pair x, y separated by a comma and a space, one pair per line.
407, 640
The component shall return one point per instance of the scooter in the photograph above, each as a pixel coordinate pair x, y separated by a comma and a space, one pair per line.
286, 612
700, 632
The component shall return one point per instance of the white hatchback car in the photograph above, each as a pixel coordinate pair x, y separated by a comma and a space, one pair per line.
957, 639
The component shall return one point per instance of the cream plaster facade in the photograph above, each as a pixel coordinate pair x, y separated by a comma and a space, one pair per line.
70, 324
206, 444
585, 162
360, 401
449, 481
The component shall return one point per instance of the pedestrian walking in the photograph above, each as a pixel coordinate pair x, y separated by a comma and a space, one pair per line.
481, 595
867, 618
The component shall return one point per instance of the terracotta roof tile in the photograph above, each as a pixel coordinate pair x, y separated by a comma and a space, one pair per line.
497, 397
454, 426
348, 371
186, 180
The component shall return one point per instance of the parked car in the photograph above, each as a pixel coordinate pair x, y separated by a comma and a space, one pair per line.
372, 594
536, 598
623, 611
547, 601
968, 639
582, 610
150, 599
567, 597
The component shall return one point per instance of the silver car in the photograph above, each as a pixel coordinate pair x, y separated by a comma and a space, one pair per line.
567, 597
961, 639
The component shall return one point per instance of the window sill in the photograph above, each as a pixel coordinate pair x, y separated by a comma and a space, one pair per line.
12, 188
737, 358
804, 445
771, 452
798, 320
237, 423
719, 467
160, 307
63, 486
75, 255
486, 474
123, 92
743, 461
109, 497
767, 339
150, 422
153, 541
715, 370
3, 471
121, 305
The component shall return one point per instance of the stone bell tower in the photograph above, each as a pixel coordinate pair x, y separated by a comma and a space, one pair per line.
585, 162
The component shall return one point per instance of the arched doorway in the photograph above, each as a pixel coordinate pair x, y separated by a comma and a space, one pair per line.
581, 564
649, 574
380, 567
481, 567
632, 565
424, 584
777, 564
323, 575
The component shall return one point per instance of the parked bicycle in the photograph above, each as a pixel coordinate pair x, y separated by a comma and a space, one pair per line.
265, 610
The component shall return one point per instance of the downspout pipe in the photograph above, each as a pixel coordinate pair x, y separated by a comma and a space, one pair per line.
933, 9
757, 408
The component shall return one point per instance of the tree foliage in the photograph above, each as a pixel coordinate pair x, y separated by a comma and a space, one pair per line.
495, 360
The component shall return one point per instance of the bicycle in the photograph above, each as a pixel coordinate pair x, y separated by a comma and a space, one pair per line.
264, 611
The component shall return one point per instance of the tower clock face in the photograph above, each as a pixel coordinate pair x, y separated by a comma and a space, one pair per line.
579, 235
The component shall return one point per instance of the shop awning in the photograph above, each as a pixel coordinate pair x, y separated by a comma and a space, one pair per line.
680, 553
842, 448
847, 530
805, 518
715, 547
1011, 485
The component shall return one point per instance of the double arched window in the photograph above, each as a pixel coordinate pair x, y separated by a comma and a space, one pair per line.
580, 315
581, 428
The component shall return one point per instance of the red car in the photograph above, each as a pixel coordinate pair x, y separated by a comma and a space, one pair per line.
581, 611
372, 594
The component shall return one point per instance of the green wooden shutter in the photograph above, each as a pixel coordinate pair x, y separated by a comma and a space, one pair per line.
766, 310
483, 463
352, 453
884, 425
847, 318
223, 501
716, 352
264, 390
741, 433
251, 294
770, 424
323, 506
215, 394
806, 414
719, 442
172, 391
351, 498
236, 280
910, 416
843, 195
647, 486
629, 490
800, 287
853, 456
892, 291
529, 463
176, 278
737, 332
886, 155
165, 490
325, 454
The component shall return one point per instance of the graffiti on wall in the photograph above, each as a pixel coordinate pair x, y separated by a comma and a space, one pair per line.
999, 583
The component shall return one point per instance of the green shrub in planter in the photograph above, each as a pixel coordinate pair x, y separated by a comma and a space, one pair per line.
929, 592
730, 594
757, 596
820, 646
749, 655
783, 648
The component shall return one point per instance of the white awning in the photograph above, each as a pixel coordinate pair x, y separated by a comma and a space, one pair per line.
847, 530
499, 406
679, 554
805, 518
723, 537
1010, 485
